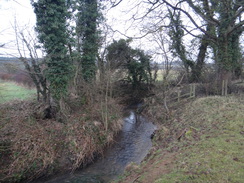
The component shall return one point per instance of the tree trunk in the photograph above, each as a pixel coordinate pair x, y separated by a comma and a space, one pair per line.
224, 63
197, 69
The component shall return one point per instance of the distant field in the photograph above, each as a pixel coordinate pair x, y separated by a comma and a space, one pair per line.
10, 64
12, 91
173, 74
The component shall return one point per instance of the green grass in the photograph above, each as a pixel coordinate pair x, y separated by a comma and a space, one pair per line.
219, 154
11, 91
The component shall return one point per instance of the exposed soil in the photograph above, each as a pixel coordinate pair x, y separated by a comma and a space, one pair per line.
151, 170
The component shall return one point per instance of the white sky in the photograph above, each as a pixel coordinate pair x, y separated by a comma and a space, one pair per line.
11, 10
22, 11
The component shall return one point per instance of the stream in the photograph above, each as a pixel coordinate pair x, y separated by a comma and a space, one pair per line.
131, 145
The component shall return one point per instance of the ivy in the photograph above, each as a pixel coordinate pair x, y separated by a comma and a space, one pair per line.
88, 18
51, 16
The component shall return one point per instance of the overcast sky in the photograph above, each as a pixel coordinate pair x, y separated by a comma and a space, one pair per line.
22, 11
11, 10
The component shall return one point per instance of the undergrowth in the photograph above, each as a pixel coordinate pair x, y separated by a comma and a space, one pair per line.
31, 147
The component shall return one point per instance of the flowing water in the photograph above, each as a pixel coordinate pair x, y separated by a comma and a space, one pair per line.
131, 145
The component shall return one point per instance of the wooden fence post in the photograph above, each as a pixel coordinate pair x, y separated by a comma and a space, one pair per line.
222, 89
178, 95
191, 91
194, 90
226, 87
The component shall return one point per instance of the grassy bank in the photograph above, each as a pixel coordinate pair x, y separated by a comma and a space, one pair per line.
201, 142
31, 147
11, 91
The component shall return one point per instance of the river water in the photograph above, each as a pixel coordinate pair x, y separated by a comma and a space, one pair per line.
131, 145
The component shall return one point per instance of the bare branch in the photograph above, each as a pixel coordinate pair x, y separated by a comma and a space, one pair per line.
236, 27
191, 19
142, 36
207, 18
114, 4
238, 14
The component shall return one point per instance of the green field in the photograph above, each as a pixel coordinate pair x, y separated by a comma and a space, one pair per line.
172, 76
11, 91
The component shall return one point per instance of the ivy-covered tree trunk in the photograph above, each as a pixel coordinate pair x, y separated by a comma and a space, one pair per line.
225, 18
197, 69
51, 18
229, 58
228, 35
205, 42
176, 33
88, 34
236, 54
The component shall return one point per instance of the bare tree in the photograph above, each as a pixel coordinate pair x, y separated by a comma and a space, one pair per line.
27, 49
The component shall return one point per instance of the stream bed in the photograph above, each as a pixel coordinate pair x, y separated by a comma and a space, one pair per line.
131, 145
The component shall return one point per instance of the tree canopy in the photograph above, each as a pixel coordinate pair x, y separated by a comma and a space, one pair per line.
88, 18
121, 55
